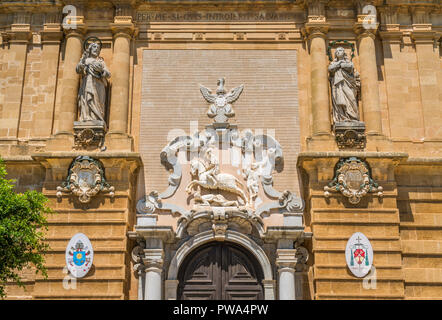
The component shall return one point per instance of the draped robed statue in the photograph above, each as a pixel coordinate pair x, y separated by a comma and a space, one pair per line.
92, 92
345, 86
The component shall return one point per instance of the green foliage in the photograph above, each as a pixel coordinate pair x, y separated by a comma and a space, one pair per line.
22, 226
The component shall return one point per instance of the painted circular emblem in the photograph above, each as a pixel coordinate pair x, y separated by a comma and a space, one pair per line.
79, 255
359, 255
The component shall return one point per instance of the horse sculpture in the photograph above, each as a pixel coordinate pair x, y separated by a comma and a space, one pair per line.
210, 180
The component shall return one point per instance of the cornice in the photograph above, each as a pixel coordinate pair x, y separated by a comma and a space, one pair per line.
391, 36
318, 155
51, 33
19, 33
425, 36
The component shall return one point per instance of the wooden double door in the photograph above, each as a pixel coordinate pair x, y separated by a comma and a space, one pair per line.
220, 271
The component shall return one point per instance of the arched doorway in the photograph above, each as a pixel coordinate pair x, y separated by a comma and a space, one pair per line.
220, 271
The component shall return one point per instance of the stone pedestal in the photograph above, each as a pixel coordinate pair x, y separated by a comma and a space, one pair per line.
89, 134
350, 134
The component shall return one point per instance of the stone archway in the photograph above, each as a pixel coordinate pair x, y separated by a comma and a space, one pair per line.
220, 271
199, 241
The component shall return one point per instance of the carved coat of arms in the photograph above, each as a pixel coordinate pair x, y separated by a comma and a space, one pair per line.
85, 180
352, 179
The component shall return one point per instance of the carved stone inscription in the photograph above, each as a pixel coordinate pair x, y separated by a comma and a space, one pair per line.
217, 16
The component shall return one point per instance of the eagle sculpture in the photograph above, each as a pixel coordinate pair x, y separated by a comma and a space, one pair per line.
220, 107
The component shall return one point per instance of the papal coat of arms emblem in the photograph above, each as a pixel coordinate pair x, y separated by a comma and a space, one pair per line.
359, 254
79, 255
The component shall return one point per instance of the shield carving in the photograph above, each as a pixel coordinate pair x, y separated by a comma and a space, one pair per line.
352, 179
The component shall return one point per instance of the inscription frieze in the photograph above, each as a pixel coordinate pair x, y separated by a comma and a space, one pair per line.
217, 16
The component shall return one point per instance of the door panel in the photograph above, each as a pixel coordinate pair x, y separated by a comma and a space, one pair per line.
220, 271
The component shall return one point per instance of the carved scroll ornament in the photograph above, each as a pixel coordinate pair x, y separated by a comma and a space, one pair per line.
352, 179
85, 179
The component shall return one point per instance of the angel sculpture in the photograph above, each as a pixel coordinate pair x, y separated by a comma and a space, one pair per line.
220, 107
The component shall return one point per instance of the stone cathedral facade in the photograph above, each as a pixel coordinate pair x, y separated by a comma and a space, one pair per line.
228, 149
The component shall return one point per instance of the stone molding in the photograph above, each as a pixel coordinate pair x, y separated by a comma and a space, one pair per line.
425, 37
153, 259
79, 32
123, 29
126, 13
316, 29
52, 33
391, 36
208, 236
286, 260
202, 238
362, 32
219, 220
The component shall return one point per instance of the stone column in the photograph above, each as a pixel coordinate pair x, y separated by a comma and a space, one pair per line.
118, 138
19, 37
286, 263
68, 106
369, 79
319, 78
153, 261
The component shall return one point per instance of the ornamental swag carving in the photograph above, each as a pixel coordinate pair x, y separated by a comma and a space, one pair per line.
85, 179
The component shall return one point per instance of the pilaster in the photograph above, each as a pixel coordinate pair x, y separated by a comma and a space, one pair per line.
18, 38
153, 255
427, 52
366, 35
66, 114
105, 220
51, 37
315, 32
123, 30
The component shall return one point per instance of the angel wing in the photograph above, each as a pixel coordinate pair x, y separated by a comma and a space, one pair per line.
206, 92
234, 94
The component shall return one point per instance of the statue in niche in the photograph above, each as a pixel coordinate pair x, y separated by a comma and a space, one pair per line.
345, 87
92, 92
